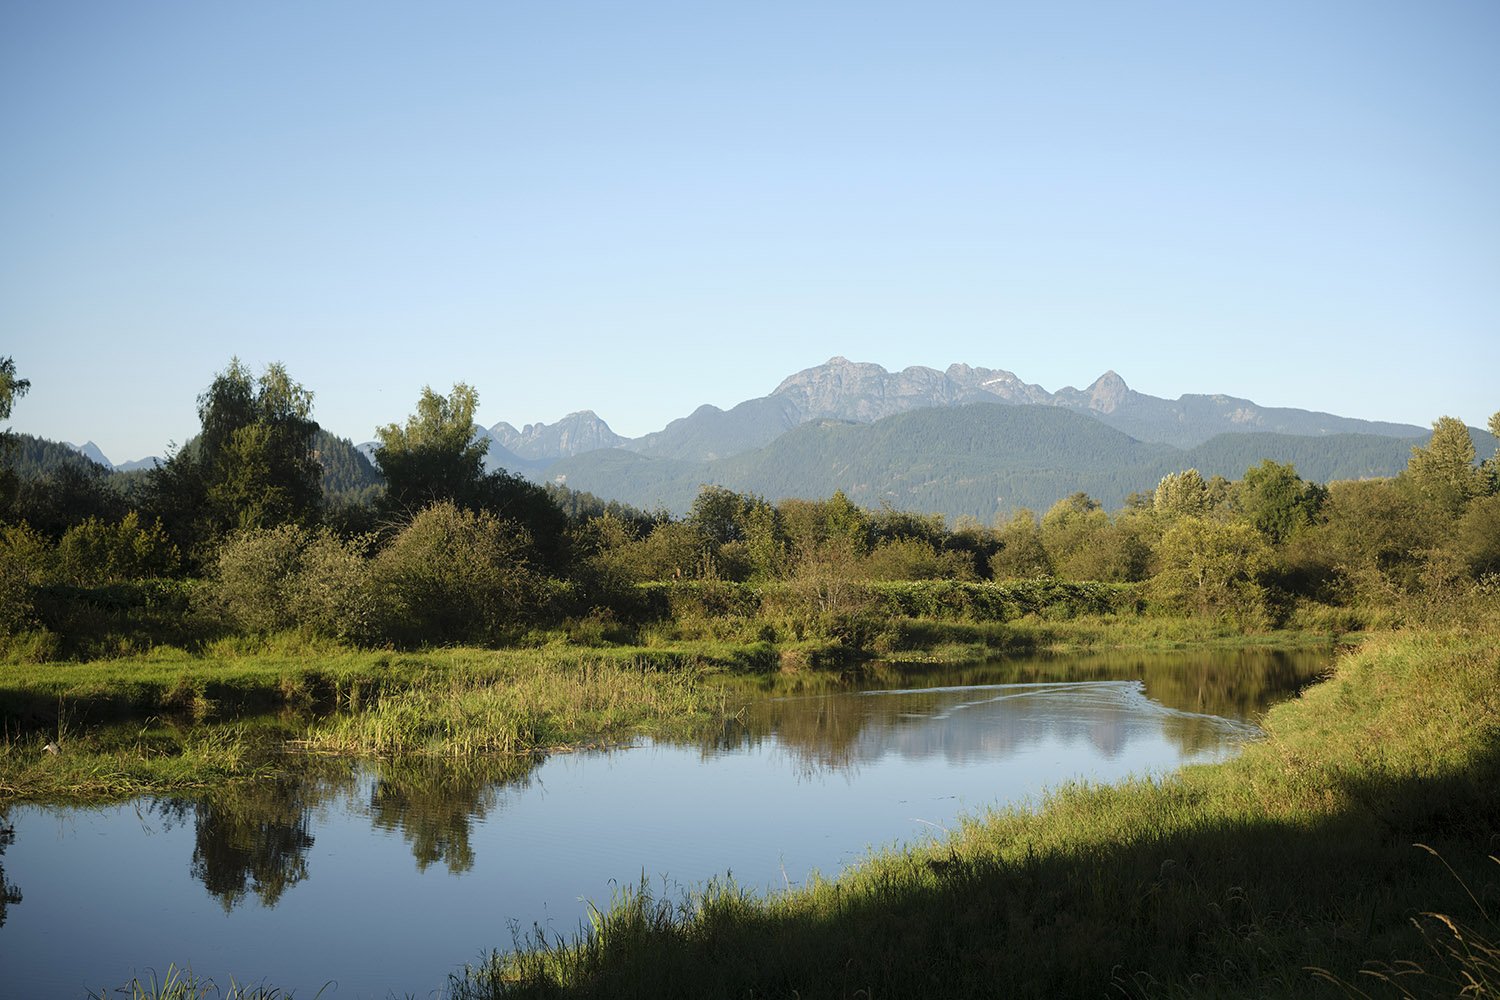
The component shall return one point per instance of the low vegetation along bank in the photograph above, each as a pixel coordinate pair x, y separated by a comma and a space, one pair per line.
449, 703
170, 720
1288, 871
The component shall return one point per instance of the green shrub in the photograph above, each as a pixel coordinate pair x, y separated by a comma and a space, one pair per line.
916, 559
455, 575
1214, 568
98, 552
272, 579
25, 562
256, 576
333, 595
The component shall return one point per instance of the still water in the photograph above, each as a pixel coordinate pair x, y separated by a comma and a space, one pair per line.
383, 878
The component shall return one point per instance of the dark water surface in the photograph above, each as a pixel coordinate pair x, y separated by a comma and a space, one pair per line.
383, 878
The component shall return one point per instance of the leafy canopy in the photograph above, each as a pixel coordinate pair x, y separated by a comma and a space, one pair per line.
437, 455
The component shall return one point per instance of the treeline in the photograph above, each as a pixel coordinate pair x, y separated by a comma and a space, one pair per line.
263, 524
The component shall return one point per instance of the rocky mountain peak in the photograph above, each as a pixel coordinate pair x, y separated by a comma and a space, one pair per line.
1108, 392
90, 451
574, 434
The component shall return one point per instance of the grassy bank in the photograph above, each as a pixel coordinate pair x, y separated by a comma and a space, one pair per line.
185, 726
234, 676
169, 720
1280, 873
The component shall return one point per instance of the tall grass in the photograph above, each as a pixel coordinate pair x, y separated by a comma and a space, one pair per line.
152, 756
182, 984
532, 704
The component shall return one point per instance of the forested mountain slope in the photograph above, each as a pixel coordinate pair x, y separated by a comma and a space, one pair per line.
978, 460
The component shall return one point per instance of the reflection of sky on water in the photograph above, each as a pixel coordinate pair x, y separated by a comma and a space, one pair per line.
337, 877
971, 725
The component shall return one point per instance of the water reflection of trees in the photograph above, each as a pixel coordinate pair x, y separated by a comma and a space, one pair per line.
433, 804
834, 723
10, 895
253, 838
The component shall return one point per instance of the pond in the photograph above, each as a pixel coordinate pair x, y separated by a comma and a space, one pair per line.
385, 877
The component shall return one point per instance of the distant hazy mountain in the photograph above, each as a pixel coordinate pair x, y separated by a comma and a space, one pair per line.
1193, 419
33, 456
710, 432
497, 456
90, 451
865, 392
931, 440
861, 392
572, 435
976, 459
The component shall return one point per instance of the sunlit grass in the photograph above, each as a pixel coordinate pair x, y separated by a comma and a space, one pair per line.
116, 762
532, 704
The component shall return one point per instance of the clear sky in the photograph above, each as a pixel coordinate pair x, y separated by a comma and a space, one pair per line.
641, 207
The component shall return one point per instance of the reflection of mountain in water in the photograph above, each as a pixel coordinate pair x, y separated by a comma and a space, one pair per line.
990, 724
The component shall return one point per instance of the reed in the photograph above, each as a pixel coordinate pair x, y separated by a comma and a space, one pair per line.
533, 704
182, 984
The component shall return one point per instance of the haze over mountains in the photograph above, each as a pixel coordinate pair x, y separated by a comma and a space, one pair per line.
864, 393
962, 441
967, 440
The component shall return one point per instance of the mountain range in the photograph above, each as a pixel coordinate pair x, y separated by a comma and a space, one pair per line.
860, 392
966, 440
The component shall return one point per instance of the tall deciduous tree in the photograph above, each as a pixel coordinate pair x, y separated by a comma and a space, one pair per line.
1276, 501
1491, 466
1212, 568
1443, 473
1181, 494
11, 389
257, 439
251, 466
436, 455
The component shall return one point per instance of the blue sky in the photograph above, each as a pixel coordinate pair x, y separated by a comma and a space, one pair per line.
638, 208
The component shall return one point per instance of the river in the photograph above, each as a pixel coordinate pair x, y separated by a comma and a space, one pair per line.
385, 877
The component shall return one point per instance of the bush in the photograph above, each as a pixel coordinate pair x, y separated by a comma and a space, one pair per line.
25, 563
97, 552
272, 579
455, 575
333, 595
916, 559
256, 576
1215, 569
